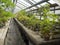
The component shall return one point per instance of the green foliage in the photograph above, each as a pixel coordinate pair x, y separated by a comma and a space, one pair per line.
45, 26
22, 12
5, 15
28, 20
7, 3
48, 22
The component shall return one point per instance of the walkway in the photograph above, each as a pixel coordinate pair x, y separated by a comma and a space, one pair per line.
13, 35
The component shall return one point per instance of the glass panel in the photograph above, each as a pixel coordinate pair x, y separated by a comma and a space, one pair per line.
24, 4
37, 0
51, 1
20, 5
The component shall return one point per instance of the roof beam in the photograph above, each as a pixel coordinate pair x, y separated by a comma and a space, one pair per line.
51, 5
55, 9
33, 3
29, 2
24, 3
37, 3
21, 4
19, 7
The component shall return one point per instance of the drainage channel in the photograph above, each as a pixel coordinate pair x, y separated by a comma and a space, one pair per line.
13, 36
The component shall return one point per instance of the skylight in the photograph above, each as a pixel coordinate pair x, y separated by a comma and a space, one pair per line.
52, 2
25, 3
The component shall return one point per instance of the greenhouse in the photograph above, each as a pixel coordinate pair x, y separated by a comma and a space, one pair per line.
29, 22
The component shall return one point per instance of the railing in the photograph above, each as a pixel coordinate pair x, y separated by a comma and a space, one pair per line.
31, 38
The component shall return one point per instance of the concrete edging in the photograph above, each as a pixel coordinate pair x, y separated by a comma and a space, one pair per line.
34, 38
3, 32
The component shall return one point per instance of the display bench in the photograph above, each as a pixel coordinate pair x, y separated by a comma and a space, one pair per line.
31, 37
3, 32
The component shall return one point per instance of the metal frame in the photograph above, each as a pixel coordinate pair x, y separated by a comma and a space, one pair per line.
35, 5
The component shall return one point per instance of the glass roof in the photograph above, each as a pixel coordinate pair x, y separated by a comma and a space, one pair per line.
57, 1
23, 4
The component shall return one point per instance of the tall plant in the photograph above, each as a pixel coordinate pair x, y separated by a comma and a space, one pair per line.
48, 22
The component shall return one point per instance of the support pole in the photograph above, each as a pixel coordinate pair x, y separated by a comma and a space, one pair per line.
54, 9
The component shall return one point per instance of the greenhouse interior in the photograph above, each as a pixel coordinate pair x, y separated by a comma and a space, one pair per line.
29, 22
